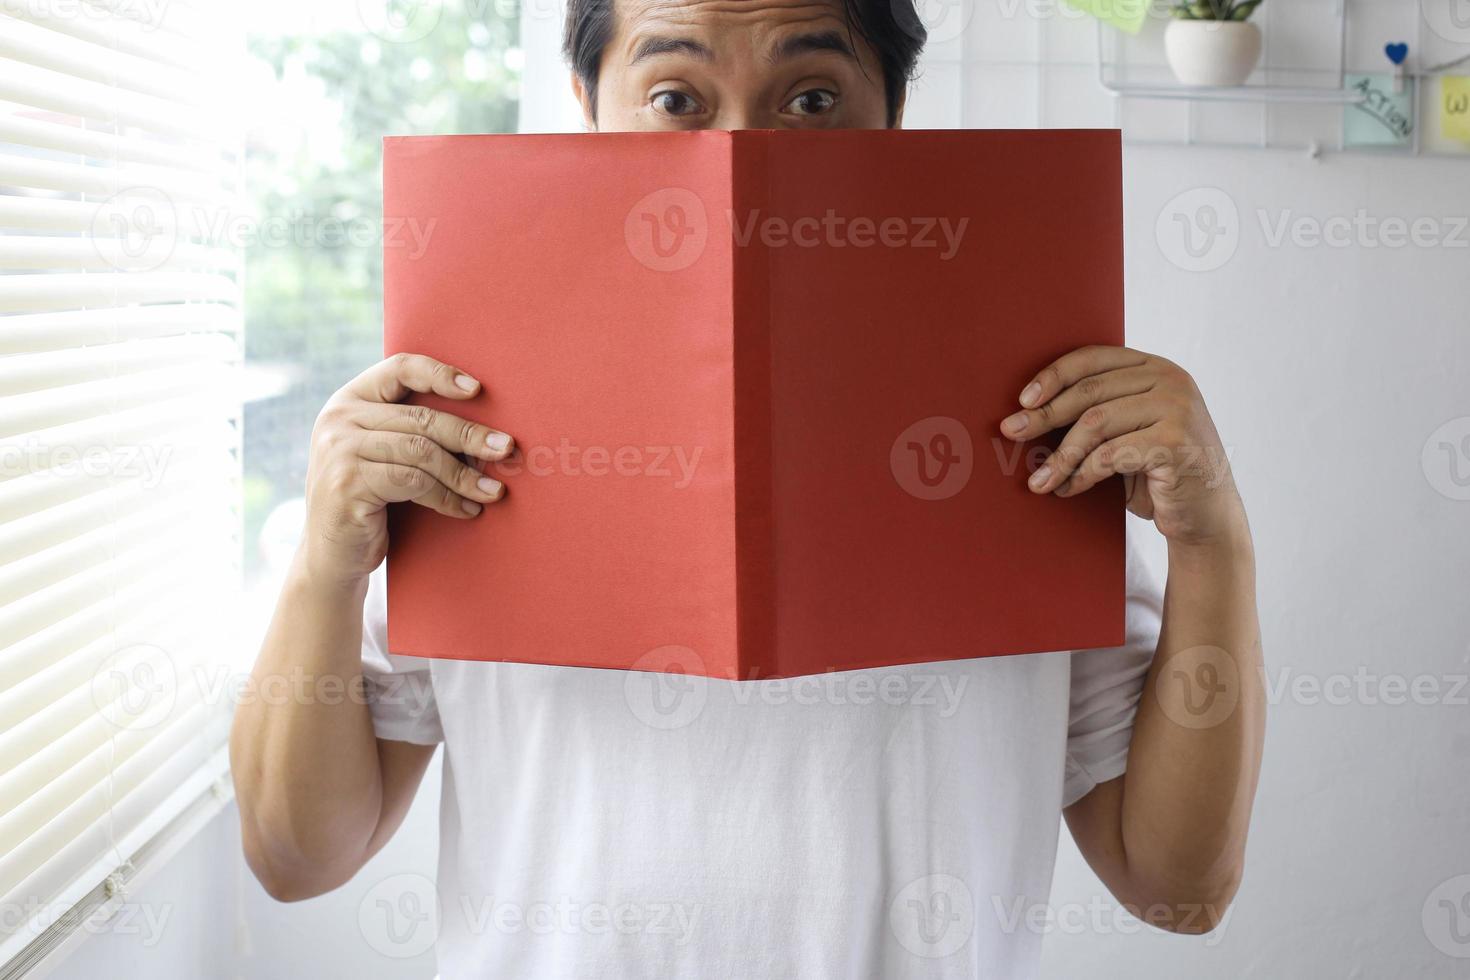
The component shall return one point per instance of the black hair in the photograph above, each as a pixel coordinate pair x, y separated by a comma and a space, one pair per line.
891, 27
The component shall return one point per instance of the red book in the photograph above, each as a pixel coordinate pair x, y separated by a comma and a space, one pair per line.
755, 380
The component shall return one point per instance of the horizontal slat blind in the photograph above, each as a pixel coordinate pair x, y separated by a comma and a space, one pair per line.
119, 422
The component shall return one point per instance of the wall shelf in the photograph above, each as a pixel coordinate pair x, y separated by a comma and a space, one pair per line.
1299, 94
1299, 98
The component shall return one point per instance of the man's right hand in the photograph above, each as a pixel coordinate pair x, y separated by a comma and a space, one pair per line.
368, 451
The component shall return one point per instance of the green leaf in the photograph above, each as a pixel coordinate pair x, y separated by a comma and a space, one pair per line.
1244, 9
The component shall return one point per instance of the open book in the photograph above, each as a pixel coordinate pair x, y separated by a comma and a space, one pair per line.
755, 380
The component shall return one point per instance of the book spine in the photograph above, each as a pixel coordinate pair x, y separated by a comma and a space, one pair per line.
755, 571
390, 207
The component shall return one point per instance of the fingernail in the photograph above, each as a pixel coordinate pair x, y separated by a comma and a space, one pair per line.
466, 382
1039, 478
470, 507
1016, 424
1030, 395
498, 442
488, 486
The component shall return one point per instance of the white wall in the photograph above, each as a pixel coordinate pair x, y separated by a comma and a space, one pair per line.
202, 916
179, 921
1327, 370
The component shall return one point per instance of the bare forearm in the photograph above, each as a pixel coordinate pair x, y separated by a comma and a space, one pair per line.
305, 758
319, 792
1196, 751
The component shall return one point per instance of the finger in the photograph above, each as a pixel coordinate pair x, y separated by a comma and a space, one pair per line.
1096, 425
398, 483
424, 453
391, 380
1069, 405
450, 431
1071, 368
1124, 455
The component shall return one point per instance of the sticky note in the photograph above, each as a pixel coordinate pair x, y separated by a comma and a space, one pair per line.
1125, 15
755, 392
1383, 118
1454, 114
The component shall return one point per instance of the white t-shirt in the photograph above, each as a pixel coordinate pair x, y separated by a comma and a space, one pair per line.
897, 822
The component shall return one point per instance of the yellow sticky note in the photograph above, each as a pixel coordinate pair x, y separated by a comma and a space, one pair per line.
1126, 15
1454, 111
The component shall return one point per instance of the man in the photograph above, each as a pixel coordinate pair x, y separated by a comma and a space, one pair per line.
782, 830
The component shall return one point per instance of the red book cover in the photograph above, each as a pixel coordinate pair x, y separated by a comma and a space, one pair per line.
755, 381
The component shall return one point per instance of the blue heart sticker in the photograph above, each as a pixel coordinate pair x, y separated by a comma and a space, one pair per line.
1396, 52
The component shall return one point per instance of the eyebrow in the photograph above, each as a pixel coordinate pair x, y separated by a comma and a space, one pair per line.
815, 41
652, 47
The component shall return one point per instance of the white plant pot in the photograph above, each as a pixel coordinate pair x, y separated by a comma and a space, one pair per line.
1212, 52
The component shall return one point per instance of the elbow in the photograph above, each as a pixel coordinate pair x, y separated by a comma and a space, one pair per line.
287, 881
293, 856
1189, 908
284, 888
287, 873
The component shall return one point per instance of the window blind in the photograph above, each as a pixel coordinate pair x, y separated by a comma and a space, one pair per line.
119, 437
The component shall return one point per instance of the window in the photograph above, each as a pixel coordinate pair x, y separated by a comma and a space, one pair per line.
120, 315
323, 101
189, 266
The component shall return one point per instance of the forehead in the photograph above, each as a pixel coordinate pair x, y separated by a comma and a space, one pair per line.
636, 18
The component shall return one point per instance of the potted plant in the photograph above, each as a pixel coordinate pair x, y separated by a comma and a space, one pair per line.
1212, 42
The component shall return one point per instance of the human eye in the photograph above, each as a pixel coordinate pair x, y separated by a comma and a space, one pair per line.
672, 102
812, 102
